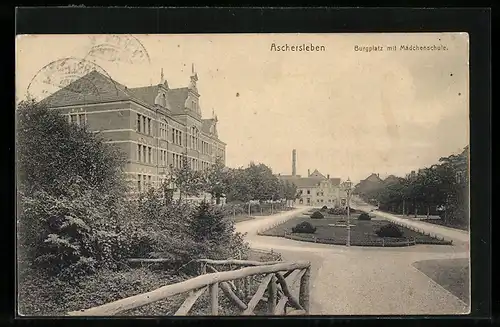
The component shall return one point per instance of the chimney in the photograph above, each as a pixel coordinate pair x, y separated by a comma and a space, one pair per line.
308, 173
328, 176
294, 162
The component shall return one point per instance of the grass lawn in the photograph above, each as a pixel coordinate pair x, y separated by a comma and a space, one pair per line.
451, 274
363, 231
441, 223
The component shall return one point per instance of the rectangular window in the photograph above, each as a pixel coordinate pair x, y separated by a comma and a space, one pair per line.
139, 183
308, 192
149, 179
82, 121
143, 128
73, 119
149, 127
144, 153
138, 128
149, 155
139, 152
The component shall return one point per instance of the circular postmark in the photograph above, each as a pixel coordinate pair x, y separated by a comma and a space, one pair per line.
63, 73
123, 48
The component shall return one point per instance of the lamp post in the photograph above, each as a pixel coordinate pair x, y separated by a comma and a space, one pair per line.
347, 187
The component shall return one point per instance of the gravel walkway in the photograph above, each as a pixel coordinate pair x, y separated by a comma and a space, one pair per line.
364, 281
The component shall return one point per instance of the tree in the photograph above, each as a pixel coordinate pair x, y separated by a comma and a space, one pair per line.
186, 180
263, 184
51, 153
239, 188
70, 189
217, 180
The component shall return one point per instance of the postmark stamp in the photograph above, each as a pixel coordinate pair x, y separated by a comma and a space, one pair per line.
61, 74
117, 48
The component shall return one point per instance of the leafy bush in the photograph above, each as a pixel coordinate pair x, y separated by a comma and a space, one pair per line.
45, 295
389, 230
364, 216
71, 236
304, 227
317, 215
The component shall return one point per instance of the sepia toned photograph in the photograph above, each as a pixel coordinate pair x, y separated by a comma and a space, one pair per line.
242, 174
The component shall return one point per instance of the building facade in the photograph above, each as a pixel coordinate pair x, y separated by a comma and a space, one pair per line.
316, 189
153, 125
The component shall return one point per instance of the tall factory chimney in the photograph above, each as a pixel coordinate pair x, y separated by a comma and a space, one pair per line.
294, 162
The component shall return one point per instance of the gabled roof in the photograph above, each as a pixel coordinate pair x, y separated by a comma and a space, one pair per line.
91, 88
307, 182
148, 94
373, 178
335, 181
96, 87
177, 98
317, 174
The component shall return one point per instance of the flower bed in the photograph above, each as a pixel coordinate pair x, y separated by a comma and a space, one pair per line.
362, 233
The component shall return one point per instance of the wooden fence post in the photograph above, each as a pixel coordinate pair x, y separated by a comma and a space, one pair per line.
272, 296
245, 287
214, 298
304, 289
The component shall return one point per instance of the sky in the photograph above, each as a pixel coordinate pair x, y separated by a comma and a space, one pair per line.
347, 113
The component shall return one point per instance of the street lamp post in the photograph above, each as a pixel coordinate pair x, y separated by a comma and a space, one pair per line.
347, 186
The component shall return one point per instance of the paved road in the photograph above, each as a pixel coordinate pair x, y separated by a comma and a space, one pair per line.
364, 281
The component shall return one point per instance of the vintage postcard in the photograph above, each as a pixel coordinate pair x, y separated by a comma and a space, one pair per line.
243, 174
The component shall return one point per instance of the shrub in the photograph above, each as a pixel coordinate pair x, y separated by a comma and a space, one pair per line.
70, 236
317, 215
304, 227
389, 230
45, 295
364, 216
208, 228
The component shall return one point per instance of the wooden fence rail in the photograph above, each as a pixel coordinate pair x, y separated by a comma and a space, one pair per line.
274, 283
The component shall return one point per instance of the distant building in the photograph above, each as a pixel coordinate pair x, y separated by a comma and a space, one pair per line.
153, 125
369, 184
315, 189
391, 179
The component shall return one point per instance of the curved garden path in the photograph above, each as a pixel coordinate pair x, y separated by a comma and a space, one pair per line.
364, 280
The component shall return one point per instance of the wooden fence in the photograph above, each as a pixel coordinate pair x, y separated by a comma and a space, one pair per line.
278, 281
